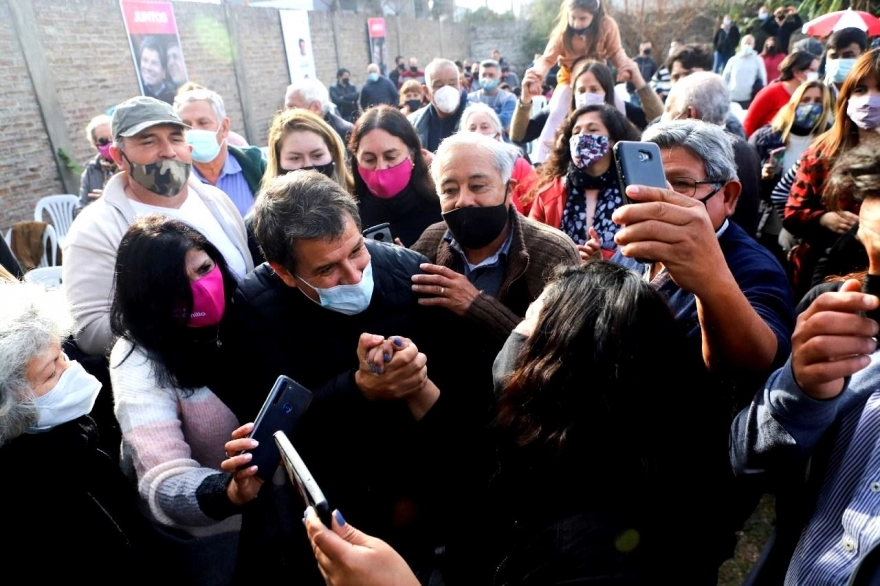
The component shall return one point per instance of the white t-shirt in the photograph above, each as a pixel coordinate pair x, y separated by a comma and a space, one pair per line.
195, 212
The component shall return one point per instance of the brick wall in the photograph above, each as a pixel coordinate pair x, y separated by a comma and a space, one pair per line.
506, 36
90, 63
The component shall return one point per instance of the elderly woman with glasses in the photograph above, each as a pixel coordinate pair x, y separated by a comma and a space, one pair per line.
101, 168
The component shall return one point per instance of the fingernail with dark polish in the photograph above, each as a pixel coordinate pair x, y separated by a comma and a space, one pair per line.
387, 357
398, 342
339, 518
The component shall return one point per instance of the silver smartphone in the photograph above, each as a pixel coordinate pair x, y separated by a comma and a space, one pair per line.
301, 478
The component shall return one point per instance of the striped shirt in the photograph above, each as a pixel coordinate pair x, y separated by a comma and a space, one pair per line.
846, 522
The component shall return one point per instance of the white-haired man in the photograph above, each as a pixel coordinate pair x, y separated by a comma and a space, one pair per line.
313, 95
238, 175
442, 117
378, 89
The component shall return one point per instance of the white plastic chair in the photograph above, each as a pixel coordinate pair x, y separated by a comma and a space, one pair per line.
60, 210
50, 246
48, 277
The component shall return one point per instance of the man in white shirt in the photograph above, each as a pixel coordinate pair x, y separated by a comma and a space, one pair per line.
154, 158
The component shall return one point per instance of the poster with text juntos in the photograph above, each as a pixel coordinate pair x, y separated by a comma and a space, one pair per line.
155, 47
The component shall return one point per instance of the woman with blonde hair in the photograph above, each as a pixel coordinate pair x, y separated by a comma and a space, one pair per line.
300, 139
412, 97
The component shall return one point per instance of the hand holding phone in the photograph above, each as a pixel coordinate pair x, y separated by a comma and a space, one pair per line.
285, 404
638, 163
302, 479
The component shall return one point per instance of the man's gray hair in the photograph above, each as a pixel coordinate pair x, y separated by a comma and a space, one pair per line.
94, 123
489, 63
706, 93
708, 142
503, 154
481, 108
31, 319
311, 90
434, 66
301, 205
199, 95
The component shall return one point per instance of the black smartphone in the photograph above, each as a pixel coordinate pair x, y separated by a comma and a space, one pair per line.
380, 232
638, 163
286, 403
302, 479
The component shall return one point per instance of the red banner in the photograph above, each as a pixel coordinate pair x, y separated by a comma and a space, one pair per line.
149, 18
376, 28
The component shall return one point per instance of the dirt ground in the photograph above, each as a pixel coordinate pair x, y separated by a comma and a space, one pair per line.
751, 541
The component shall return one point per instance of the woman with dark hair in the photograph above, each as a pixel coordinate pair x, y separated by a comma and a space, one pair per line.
772, 57
391, 178
172, 288
590, 479
856, 122
578, 187
799, 67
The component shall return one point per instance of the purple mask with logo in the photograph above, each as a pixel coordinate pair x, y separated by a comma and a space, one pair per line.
209, 300
104, 149
864, 111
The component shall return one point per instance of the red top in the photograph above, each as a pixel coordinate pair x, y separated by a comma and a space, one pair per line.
771, 63
764, 107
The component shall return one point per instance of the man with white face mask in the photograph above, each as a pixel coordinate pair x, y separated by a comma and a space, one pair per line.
335, 312
65, 487
239, 175
442, 117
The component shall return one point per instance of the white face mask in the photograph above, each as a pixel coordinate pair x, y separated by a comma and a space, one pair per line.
72, 396
447, 99
812, 75
347, 299
588, 99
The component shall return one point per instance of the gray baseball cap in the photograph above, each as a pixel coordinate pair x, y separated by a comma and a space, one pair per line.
141, 112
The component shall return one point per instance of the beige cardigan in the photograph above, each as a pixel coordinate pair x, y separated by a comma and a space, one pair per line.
90, 254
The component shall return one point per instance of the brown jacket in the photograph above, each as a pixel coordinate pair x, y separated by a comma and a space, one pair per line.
535, 251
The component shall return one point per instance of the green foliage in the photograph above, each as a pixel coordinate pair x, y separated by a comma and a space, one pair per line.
541, 15
69, 162
485, 14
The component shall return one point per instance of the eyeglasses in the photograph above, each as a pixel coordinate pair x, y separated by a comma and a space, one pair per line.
104, 141
687, 186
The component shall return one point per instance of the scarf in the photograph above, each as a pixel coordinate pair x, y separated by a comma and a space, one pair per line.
574, 215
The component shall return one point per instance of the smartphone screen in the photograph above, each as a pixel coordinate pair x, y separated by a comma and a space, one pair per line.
302, 479
285, 404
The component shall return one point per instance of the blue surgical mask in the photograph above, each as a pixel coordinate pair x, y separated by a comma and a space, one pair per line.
489, 84
205, 147
836, 70
748, 50
347, 299
373, 77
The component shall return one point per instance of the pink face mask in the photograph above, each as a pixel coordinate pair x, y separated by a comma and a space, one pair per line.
209, 300
386, 183
104, 149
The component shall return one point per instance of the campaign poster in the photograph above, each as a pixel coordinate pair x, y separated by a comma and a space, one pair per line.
155, 47
298, 44
376, 34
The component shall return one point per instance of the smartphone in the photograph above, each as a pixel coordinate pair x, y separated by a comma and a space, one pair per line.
638, 163
284, 405
302, 479
777, 156
380, 232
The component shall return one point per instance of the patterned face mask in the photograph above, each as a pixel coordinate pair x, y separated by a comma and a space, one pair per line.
167, 177
586, 149
806, 115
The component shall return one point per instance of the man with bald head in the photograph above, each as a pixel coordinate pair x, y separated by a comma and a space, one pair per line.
440, 118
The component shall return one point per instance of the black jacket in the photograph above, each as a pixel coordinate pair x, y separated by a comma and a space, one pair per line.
358, 450
381, 91
346, 99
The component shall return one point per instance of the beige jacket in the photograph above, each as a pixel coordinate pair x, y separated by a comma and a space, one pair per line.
90, 254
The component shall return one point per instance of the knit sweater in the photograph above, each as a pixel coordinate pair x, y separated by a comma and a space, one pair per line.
172, 443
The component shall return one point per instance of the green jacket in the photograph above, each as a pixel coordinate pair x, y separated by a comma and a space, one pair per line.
253, 165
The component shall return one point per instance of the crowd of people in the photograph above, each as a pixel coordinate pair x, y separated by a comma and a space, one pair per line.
523, 370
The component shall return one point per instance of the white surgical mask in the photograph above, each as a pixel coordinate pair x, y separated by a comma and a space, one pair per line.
447, 99
72, 396
347, 299
588, 99
812, 75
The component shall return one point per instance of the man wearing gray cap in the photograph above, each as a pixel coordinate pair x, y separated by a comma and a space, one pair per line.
155, 165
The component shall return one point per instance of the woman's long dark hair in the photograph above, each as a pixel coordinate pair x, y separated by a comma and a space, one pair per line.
585, 385
392, 121
153, 299
562, 29
602, 74
557, 165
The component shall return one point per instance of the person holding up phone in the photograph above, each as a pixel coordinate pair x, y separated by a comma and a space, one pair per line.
578, 187
171, 291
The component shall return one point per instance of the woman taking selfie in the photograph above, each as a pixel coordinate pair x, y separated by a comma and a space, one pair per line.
578, 187
391, 177
172, 289
588, 478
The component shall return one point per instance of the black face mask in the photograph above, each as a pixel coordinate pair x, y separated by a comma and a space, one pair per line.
476, 227
413, 105
578, 31
413, 68
345, 81
401, 66
646, 51
771, 49
325, 170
